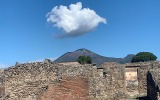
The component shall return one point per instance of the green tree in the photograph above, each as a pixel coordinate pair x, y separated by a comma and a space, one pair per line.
84, 60
144, 56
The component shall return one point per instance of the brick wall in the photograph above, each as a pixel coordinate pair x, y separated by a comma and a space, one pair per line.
69, 88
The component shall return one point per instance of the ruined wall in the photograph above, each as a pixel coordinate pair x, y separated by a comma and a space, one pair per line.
112, 84
139, 83
35, 81
52, 81
142, 79
2, 85
131, 80
153, 83
152, 89
28, 80
73, 84
69, 88
48, 80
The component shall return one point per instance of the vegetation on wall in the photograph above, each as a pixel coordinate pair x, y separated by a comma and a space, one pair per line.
144, 56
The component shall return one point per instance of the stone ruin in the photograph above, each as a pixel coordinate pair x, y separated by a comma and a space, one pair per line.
153, 83
53, 81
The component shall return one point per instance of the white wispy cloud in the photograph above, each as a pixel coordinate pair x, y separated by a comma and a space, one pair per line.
74, 20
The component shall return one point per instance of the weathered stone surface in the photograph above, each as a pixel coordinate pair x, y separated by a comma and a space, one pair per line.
52, 81
70, 88
153, 84
25, 80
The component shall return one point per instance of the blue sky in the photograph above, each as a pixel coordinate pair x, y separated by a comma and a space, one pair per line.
132, 26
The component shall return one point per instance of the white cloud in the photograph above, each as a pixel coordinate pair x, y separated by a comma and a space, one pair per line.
75, 20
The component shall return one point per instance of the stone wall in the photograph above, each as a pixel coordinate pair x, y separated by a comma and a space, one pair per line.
28, 80
112, 84
139, 85
69, 88
52, 81
152, 91
153, 84
131, 80
142, 79
2, 85
31, 80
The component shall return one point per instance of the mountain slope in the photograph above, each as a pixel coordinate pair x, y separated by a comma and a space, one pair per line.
98, 59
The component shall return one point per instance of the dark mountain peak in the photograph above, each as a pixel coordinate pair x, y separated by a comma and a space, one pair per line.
98, 59
83, 50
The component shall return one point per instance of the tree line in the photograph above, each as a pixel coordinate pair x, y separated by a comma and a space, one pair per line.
139, 57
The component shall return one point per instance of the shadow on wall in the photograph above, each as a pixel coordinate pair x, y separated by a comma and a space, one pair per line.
143, 98
152, 88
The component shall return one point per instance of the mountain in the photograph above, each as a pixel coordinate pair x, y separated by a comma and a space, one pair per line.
98, 59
